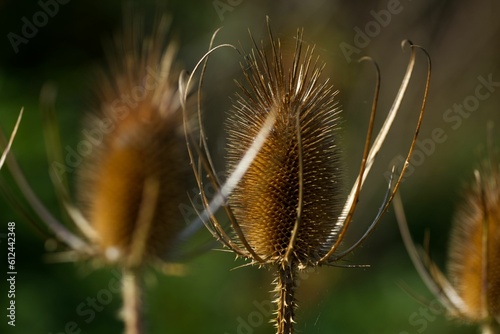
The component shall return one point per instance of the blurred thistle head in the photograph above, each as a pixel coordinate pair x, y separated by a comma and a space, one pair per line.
134, 171
283, 194
471, 290
136, 177
474, 257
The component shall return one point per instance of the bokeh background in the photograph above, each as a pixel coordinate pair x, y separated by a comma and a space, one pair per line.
463, 39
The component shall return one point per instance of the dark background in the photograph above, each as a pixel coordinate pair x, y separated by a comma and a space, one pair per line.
462, 38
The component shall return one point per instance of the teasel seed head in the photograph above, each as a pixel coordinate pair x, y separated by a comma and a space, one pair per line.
301, 151
283, 195
474, 255
132, 183
135, 171
471, 290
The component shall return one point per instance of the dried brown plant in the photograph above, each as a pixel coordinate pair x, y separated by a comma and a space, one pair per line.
131, 184
470, 291
283, 194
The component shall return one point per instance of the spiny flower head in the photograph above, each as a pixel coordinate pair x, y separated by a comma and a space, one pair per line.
297, 173
471, 290
474, 257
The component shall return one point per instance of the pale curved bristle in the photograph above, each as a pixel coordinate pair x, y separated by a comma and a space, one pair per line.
137, 136
474, 257
266, 201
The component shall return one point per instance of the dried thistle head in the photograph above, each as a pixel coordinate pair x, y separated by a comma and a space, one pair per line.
283, 195
471, 290
145, 146
298, 167
474, 255
135, 169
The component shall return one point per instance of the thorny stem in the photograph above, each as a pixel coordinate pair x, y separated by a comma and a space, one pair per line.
285, 293
132, 302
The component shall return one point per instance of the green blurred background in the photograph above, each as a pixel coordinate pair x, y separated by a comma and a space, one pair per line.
463, 40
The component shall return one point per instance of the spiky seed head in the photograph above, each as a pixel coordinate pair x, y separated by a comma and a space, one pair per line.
266, 201
474, 257
137, 137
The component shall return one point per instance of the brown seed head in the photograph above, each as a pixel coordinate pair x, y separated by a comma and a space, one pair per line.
296, 154
138, 140
474, 261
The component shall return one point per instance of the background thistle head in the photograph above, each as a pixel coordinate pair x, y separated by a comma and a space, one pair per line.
470, 291
144, 145
474, 254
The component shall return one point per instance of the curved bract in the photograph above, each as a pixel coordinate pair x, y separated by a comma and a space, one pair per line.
11, 139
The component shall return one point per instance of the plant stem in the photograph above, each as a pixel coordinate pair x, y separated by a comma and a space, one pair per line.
490, 327
285, 291
132, 302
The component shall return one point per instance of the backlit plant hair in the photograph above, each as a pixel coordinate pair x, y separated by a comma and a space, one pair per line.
130, 186
282, 195
471, 290
8, 144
